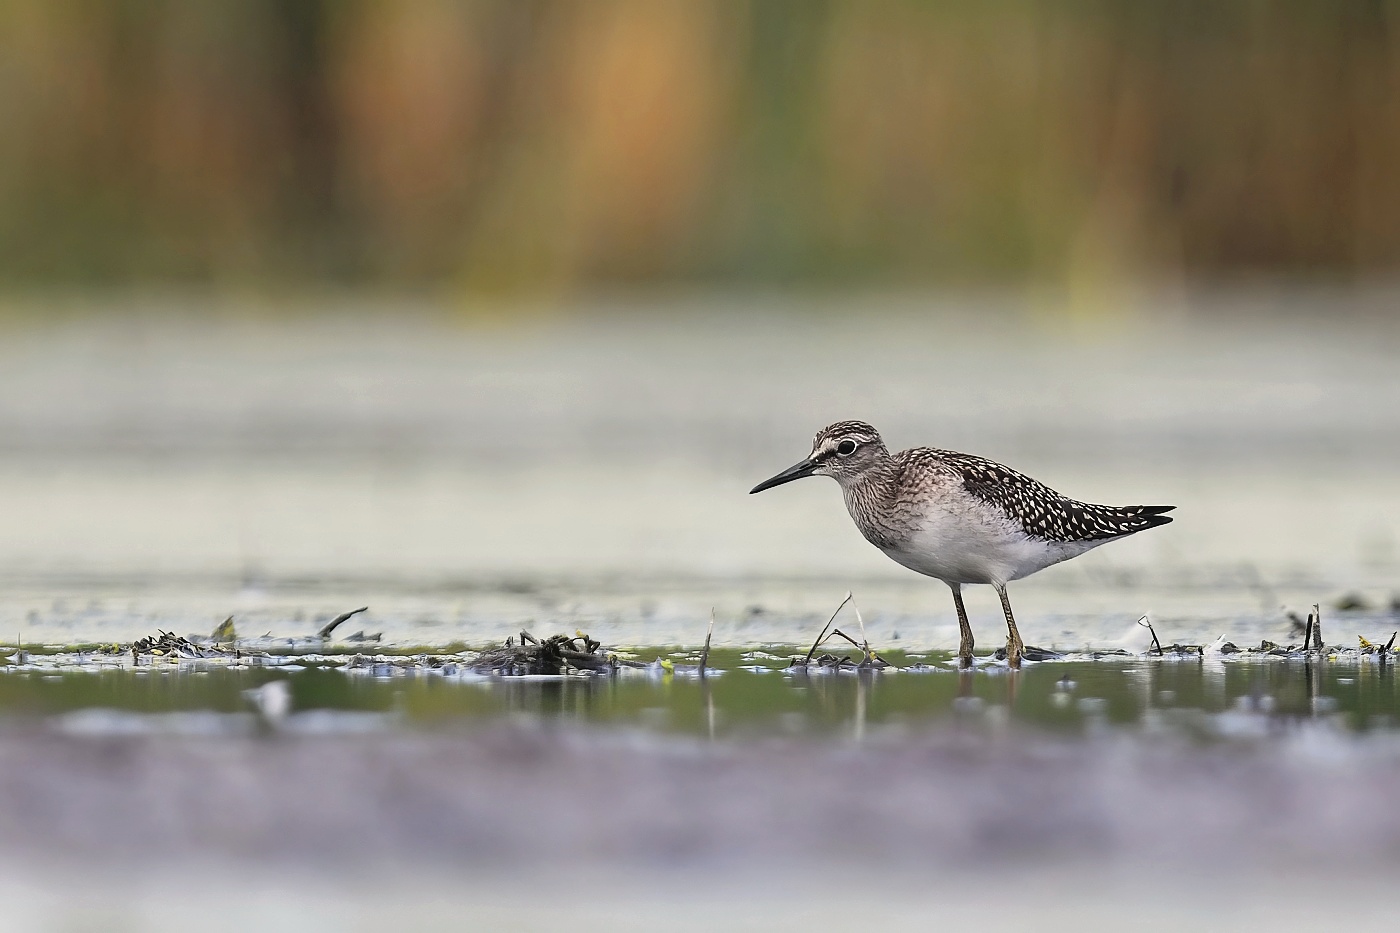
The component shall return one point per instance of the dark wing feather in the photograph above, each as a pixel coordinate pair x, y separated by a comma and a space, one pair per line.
1041, 511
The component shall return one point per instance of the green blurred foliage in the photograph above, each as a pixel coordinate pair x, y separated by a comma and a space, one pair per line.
507, 145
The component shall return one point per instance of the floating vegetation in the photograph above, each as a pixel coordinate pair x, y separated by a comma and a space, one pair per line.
1368, 647
870, 661
225, 633
1173, 650
558, 654
1312, 647
522, 656
1032, 653
579, 654
167, 644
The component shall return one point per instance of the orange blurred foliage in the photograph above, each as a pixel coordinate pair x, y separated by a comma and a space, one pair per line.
526, 144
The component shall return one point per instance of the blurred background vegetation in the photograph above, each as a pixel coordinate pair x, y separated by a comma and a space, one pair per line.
508, 146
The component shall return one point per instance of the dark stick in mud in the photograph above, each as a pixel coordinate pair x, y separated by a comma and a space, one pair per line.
705, 654
837, 633
822, 637
1156, 645
871, 659
329, 627
1308, 633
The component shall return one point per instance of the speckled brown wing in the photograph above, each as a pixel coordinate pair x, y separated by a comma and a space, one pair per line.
1041, 511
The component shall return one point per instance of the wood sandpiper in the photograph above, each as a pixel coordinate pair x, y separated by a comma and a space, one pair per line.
959, 518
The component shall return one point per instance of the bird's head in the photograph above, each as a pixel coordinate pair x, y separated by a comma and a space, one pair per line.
844, 450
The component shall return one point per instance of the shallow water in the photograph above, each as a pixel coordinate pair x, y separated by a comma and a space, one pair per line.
746, 695
467, 480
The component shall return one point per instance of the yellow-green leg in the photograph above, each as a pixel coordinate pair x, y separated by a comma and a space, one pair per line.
964, 629
1014, 646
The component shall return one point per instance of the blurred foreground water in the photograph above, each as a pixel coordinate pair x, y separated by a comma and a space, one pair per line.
1068, 795
467, 479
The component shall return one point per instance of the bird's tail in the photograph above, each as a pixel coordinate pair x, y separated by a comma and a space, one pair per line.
1147, 516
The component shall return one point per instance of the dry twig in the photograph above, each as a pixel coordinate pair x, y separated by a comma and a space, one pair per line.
705, 654
329, 627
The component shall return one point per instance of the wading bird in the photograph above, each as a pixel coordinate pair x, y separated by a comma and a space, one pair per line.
960, 518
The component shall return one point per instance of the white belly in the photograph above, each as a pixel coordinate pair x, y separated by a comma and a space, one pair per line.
973, 548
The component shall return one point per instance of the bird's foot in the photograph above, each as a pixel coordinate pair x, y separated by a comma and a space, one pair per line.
1014, 651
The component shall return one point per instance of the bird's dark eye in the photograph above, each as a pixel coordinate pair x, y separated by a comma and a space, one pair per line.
846, 448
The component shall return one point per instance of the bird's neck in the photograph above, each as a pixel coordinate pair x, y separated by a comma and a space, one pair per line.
868, 498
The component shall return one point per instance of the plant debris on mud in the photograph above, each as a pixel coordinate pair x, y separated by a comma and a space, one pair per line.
168, 644
558, 654
579, 654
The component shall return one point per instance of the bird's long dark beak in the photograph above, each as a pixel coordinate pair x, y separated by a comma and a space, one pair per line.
796, 471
